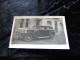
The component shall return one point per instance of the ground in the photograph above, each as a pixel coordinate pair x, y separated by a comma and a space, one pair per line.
59, 38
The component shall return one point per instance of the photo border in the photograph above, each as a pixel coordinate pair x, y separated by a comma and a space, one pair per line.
33, 46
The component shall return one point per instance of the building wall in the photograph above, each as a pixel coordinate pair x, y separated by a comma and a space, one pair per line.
32, 22
44, 22
55, 23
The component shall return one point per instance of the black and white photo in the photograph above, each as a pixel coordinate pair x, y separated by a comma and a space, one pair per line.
39, 32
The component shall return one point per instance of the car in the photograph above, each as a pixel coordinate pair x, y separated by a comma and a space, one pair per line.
36, 32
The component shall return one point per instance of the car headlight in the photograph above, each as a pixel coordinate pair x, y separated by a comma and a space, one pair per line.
25, 31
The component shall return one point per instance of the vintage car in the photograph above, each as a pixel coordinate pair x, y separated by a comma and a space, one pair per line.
35, 32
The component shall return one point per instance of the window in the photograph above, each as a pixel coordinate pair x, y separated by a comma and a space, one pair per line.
27, 20
49, 23
37, 22
21, 23
56, 26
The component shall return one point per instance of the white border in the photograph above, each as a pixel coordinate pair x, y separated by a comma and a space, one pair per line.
33, 46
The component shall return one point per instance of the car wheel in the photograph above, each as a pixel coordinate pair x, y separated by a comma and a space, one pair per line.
28, 37
52, 34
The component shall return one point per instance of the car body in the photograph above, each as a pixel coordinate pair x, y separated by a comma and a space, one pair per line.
36, 32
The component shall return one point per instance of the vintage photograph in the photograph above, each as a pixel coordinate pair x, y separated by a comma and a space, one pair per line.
39, 32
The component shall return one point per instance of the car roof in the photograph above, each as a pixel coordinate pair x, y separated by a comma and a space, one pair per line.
42, 26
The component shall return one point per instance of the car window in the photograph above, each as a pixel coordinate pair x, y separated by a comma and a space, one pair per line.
48, 27
34, 27
42, 27
51, 27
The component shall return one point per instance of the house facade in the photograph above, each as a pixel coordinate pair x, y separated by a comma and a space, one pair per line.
56, 23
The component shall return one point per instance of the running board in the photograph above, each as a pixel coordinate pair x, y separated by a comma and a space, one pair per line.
44, 37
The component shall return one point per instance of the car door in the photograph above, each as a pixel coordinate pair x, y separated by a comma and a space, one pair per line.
43, 31
40, 32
